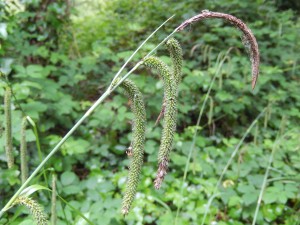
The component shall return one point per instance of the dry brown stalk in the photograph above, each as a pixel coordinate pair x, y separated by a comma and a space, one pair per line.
248, 36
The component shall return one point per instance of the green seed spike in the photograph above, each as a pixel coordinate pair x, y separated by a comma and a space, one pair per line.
23, 151
137, 144
35, 209
170, 117
8, 136
175, 51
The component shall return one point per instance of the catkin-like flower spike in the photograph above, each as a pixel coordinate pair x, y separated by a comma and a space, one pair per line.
35, 209
137, 144
23, 151
175, 51
8, 136
248, 37
170, 117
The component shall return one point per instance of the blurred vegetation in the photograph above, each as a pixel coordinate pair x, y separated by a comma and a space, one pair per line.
61, 55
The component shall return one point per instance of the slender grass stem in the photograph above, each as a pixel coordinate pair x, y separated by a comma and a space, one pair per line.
38, 145
287, 179
37, 139
23, 151
8, 132
144, 42
53, 201
164, 205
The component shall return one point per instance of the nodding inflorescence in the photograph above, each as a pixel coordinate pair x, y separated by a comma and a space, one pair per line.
170, 116
35, 209
175, 52
137, 144
248, 36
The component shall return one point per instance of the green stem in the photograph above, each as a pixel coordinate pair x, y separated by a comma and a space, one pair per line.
38, 145
8, 136
23, 152
144, 42
53, 201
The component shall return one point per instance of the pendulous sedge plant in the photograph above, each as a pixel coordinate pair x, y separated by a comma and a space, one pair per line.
35, 209
136, 150
171, 81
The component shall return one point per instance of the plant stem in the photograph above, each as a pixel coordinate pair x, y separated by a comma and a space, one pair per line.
53, 201
23, 151
38, 145
128, 60
8, 136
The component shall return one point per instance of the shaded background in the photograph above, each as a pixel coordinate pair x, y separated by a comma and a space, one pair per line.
61, 55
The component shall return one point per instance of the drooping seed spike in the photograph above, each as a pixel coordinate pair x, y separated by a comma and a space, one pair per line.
175, 51
35, 209
137, 144
248, 36
170, 116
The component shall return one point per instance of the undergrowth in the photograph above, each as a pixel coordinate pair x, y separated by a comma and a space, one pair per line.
171, 78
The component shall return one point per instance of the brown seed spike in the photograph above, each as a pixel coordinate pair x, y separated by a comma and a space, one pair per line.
250, 38
161, 173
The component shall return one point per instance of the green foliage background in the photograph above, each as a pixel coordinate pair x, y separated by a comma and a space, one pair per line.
61, 55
